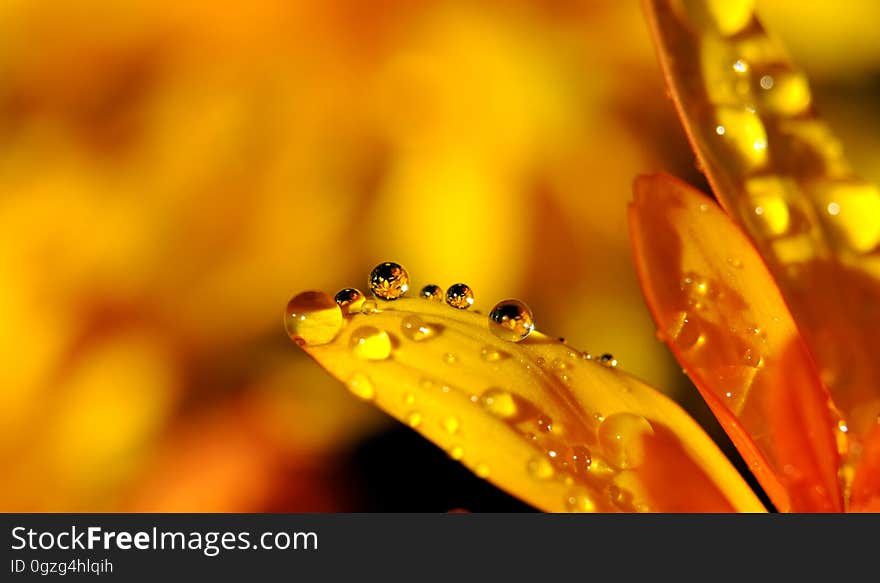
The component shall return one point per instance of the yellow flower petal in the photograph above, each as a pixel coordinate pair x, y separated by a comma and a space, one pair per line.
780, 173
537, 418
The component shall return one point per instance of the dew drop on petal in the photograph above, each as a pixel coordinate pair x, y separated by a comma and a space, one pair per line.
607, 360
312, 318
580, 459
370, 343
511, 320
417, 330
482, 470
451, 424
460, 296
414, 419
621, 437
350, 300
432, 292
389, 281
369, 307
361, 386
490, 354
499, 403
457, 452
540, 468
578, 500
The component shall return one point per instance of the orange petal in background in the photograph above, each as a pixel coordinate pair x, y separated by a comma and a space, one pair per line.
780, 173
719, 310
537, 418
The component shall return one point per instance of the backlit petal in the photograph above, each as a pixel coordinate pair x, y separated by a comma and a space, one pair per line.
779, 171
717, 307
536, 418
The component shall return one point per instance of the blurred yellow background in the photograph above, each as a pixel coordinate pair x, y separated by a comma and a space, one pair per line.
172, 172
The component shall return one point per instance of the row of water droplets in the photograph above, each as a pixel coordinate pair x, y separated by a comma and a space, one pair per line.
313, 318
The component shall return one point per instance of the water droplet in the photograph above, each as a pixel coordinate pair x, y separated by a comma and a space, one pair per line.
417, 330
370, 343
369, 308
607, 360
545, 424
842, 426
511, 320
409, 398
578, 500
432, 292
414, 419
735, 262
766, 82
350, 300
740, 66
460, 296
450, 358
490, 354
451, 424
389, 281
540, 362
621, 437
499, 402
540, 468
361, 386
312, 318
482, 470
833, 208
580, 459
456, 453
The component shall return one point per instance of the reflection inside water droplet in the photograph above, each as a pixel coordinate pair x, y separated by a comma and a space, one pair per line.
511, 320
312, 318
389, 281
460, 296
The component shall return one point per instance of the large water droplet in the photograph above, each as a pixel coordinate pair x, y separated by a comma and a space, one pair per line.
460, 296
361, 386
312, 318
370, 343
511, 320
350, 300
622, 436
389, 281
417, 329
432, 292
499, 403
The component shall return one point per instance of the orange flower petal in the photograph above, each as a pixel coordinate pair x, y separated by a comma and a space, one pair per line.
719, 310
779, 171
537, 418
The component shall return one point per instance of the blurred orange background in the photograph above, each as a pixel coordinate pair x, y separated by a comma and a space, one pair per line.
172, 172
